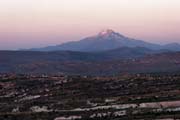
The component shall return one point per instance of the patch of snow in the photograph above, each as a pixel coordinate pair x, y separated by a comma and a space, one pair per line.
30, 97
68, 118
109, 100
90, 103
120, 113
40, 109
160, 104
15, 110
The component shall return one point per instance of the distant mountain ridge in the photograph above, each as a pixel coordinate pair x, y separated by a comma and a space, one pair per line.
106, 40
115, 54
128, 60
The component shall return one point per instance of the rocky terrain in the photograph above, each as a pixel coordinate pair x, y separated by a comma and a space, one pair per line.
61, 97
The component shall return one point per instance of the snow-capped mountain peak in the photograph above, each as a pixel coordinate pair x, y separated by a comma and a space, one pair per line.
109, 33
106, 40
106, 32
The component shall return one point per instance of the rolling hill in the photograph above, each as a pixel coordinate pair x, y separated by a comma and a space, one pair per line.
97, 63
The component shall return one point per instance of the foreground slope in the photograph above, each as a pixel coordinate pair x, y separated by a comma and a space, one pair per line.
146, 97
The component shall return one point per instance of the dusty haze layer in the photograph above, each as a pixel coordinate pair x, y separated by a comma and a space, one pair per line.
38, 23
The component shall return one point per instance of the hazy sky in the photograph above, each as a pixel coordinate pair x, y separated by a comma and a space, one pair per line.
37, 23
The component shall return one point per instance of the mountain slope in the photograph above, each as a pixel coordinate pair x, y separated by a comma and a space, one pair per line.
105, 40
173, 46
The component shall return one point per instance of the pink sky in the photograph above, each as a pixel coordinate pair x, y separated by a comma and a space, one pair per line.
38, 23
